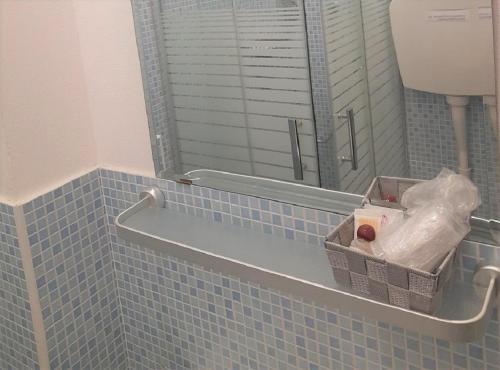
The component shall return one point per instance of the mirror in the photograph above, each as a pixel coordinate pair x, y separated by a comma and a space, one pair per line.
324, 93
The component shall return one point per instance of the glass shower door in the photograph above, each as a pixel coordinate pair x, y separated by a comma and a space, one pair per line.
345, 49
238, 75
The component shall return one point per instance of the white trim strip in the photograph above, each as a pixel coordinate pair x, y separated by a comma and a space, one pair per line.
34, 299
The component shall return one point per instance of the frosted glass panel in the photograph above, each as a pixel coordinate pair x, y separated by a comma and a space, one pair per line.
343, 28
237, 73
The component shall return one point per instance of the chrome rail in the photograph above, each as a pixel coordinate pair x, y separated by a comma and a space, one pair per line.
295, 147
349, 116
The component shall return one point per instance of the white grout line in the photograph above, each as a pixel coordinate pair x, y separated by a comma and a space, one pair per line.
34, 299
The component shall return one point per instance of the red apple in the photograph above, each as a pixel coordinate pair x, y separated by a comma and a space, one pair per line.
366, 232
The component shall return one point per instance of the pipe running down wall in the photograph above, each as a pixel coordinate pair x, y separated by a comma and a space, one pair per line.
458, 105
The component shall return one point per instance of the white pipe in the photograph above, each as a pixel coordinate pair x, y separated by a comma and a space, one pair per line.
457, 106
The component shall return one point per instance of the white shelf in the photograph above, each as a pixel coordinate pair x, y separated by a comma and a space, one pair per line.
297, 268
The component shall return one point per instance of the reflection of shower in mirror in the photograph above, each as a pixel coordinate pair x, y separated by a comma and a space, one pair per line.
438, 51
322, 93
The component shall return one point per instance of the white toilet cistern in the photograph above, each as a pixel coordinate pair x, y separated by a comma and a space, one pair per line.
446, 47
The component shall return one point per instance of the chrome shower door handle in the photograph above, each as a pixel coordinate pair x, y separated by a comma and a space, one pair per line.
349, 116
295, 147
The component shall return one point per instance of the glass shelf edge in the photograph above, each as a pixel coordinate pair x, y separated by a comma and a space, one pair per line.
482, 230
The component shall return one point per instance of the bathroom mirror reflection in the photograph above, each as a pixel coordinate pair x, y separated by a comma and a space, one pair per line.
326, 93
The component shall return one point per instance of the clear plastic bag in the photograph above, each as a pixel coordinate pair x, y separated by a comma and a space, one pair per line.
437, 219
455, 191
422, 240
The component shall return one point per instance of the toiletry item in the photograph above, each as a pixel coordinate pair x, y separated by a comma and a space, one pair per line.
422, 240
368, 222
376, 217
456, 192
362, 245
437, 219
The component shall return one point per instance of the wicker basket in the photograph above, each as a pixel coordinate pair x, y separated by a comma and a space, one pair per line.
382, 186
384, 281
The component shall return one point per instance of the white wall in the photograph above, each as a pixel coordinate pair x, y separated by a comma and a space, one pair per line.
45, 116
70, 94
114, 85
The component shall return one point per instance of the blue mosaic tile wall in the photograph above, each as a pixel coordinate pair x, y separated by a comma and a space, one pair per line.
17, 341
183, 316
110, 304
323, 111
431, 143
284, 220
69, 241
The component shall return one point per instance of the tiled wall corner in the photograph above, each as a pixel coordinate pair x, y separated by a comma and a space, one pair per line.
323, 113
17, 340
109, 304
183, 316
158, 102
71, 256
153, 340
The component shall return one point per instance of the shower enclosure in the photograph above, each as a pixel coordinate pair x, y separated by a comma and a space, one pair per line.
364, 78
303, 92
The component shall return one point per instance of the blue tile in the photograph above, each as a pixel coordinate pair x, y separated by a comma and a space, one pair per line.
287, 210
299, 225
289, 234
332, 318
300, 341
40, 282
236, 296
412, 344
399, 353
217, 217
386, 361
371, 343
309, 322
245, 212
475, 351
359, 351
357, 326
334, 342
428, 363
264, 204
345, 334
